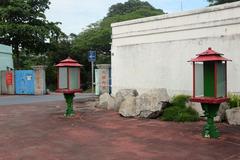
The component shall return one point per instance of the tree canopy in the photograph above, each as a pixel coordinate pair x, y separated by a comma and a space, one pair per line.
23, 25
217, 2
128, 7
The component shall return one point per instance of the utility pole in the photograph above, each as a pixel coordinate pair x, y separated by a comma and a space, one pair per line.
92, 65
92, 59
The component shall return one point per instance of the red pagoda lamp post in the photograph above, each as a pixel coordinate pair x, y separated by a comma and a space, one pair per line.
68, 81
210, 86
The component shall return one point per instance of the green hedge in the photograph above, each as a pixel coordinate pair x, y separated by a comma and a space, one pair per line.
180, 100
234, 100
178, 112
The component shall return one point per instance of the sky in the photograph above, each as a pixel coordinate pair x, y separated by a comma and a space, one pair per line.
75, 15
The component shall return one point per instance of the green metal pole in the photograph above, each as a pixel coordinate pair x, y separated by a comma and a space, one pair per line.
210, 111
69, 101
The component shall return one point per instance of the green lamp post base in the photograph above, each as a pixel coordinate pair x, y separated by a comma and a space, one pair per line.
69, 100
210, 111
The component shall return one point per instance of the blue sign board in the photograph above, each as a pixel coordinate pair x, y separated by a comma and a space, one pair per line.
92, 56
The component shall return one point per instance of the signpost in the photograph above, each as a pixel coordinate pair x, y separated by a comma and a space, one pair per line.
92, 59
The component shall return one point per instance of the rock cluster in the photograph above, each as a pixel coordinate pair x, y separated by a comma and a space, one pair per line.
221, 114
151, 104
128, 107
106, 101
124, 95
233, 116
129, 104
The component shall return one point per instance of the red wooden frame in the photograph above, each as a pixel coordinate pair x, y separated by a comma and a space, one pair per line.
79, 80
225, 78
194, 78
210, 55
211, 100
69, 91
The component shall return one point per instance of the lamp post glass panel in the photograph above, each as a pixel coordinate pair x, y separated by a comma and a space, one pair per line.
210, 86
68, 81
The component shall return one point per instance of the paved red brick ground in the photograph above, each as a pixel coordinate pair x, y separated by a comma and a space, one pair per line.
40, 132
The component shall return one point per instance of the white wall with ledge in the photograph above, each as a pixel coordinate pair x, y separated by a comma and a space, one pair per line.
153, 52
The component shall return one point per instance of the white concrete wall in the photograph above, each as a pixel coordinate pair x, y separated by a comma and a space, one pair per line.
153, 52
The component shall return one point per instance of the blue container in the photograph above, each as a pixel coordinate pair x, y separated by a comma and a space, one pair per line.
24, 81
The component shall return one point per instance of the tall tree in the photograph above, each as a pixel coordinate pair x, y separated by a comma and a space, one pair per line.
217, 2
3, 2
128, 7
23, 25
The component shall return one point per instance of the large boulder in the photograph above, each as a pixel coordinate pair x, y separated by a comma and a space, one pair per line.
128, 107
221, 114
121, 95
233, 116
106, 101
197, 107
151, 103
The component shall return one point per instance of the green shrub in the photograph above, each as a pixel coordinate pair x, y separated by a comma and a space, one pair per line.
180, 100
234, 100
180, 114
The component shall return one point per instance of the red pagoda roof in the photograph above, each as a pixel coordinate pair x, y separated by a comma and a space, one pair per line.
209, 55
69, 62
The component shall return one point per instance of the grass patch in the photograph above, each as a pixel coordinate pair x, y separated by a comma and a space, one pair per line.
178, 112
234, 100
180, 100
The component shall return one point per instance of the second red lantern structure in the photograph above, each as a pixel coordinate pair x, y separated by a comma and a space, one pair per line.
210, 86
